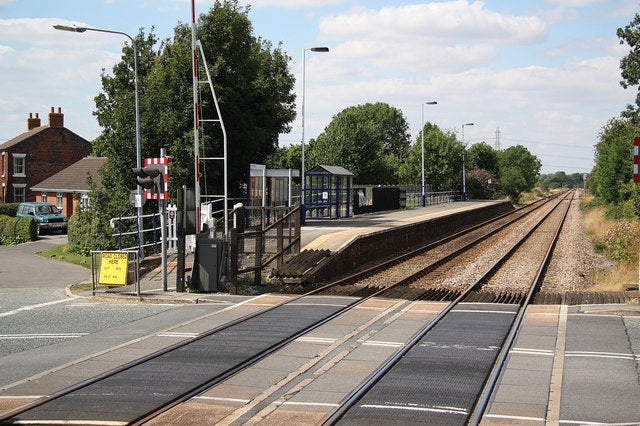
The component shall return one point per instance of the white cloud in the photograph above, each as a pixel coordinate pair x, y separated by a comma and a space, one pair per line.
433, 23
42, 67
291, 4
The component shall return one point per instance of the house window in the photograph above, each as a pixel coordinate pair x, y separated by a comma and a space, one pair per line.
43, 197
19, 165
18, 192
59, 200
2, 165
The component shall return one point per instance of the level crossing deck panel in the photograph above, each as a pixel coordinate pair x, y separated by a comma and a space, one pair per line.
439, 379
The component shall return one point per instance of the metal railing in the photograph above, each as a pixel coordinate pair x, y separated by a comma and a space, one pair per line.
127, 226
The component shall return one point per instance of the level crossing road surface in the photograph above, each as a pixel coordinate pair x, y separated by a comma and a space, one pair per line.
578, 364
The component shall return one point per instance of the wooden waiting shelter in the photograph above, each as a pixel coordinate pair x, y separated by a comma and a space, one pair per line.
328, 192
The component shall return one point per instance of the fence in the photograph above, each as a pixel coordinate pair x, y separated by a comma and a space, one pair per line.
267, 234
414, 199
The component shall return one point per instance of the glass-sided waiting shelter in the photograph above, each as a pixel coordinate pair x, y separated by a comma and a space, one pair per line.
328, 192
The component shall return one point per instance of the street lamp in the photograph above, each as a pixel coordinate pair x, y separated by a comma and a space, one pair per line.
464, 175
422, 138
304, 51
75, 29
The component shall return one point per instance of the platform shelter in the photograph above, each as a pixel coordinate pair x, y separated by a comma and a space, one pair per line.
328, 192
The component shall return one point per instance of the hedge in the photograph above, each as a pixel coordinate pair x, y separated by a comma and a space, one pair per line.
8, 209
18, 229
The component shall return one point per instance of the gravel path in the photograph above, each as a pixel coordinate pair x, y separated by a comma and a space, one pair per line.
574, 259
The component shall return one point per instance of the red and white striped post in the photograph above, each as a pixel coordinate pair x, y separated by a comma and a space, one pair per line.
636, 151
636, 179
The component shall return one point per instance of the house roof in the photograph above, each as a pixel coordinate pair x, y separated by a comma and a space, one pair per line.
23, 137
74, 177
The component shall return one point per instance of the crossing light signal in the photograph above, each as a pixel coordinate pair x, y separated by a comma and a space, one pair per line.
153, 178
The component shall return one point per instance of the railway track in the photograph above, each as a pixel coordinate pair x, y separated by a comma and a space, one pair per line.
140, 390
446, 372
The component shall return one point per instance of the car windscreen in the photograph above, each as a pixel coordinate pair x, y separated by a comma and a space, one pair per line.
46, 210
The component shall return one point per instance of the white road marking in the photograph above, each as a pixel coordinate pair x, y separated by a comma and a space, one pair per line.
31, 307
41, 336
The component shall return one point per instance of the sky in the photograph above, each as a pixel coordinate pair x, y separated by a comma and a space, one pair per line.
539, 73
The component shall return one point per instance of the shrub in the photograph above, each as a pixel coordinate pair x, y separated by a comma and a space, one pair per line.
9, 209
621, 240
87, 232
15, 230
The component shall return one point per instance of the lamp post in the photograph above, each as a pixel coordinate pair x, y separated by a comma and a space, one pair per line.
464, 175
304, 51
422, 138
76, 29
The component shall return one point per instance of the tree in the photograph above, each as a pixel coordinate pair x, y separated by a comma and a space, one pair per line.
481, 183
561, 179
252, 82
288, 157
368, 140
518, 170
613, 155
254, 89
482, 156
630, 64
513, 183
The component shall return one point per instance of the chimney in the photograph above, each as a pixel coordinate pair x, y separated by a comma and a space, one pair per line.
56, 119
32, 123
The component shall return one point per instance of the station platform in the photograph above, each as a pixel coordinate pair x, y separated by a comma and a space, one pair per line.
335, 234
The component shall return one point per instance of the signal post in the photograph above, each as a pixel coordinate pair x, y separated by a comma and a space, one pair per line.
154, 179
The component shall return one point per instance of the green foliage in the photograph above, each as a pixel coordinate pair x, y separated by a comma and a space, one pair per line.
15, 230
630, 64
89, 229
482, 156
442, 160
289, 157
620, 243
513, 183
562, 180
88, 232
9, 209
613, 155
518, 170
368, 140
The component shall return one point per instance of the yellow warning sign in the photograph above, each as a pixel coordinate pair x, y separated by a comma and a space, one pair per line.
113, 267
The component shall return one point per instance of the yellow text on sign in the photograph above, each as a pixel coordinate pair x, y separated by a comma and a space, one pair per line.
113, 268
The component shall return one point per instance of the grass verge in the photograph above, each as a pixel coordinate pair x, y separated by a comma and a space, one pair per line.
62, 253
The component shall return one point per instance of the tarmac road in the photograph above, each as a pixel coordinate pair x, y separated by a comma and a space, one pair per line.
20, 267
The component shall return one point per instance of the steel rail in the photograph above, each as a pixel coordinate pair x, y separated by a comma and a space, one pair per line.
483, 400
390, 362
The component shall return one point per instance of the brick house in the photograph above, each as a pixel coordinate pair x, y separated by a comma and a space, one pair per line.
36, 155
60, 188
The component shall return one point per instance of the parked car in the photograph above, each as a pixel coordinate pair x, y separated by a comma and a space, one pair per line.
46, 215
